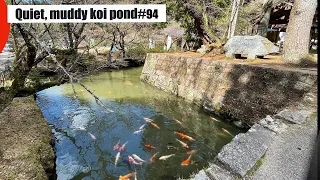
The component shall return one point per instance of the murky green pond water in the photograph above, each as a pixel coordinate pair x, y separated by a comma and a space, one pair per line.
86, 133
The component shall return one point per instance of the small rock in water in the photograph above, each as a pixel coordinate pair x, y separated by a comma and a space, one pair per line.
239, 124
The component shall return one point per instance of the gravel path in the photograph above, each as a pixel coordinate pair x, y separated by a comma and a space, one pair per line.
289, 155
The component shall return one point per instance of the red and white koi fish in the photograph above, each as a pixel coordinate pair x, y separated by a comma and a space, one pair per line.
177, 121
122, 147
155, 125
116, 146
133, 161
184, 136
139, 131
136, 157
227, 132
92, 136
214, 119
153, 157
187, 161
166, 157
141, 127
117, 158
148, 120
149, 146
126, 177
183, 144
191, 152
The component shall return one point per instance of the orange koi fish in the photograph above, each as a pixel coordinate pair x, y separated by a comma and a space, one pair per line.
149, 146
177, 121
183, 144
153, 157
148, 120
184, 136
191, 152
116, 146
126, 177
155, 125
122, 147
133, 161
186, 162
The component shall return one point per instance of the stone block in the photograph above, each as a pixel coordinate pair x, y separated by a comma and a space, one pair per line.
275, 125
292, 116
242, 153
219, 173
200, 176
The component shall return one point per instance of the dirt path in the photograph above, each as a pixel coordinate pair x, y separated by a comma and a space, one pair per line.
290, 153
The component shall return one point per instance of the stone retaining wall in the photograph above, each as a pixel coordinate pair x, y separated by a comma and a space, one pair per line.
235, 91
26, 142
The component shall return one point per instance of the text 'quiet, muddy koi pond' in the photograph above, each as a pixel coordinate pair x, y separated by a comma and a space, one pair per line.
153, 133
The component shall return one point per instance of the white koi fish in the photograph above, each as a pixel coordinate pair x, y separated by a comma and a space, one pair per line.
110, 111
141, 127
183, 144
137, 132
227, 132
148, 120
214, 119
136, 157
177, 121
166, 157
92, 136
117, 158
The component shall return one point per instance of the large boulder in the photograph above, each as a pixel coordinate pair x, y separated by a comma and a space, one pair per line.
253, 46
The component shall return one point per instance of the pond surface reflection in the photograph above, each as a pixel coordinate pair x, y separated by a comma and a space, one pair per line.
86, 133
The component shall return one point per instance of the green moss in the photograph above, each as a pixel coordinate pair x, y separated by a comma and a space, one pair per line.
256, 166
217, 107
217, 66
314, 115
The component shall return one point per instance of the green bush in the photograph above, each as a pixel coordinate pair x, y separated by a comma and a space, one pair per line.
140, 52
137, 52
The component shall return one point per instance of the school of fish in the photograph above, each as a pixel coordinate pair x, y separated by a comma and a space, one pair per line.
136, 160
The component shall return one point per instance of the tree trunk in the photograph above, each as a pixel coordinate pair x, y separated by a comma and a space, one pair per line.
296, 42
121, 42
264, 23
199, 23
233, 18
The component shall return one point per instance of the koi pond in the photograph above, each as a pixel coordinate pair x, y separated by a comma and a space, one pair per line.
151, 123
